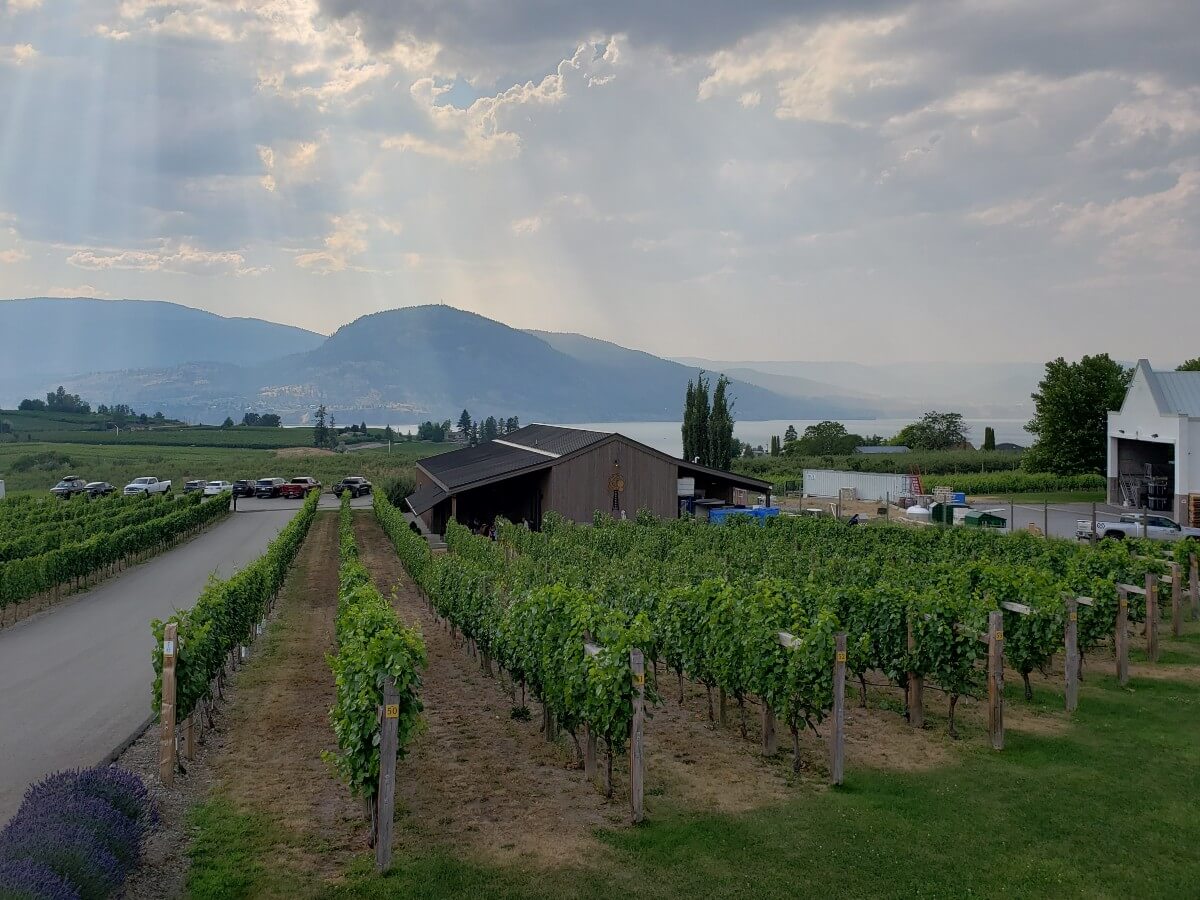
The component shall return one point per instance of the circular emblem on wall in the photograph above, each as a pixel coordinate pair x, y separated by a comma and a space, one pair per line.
616, 482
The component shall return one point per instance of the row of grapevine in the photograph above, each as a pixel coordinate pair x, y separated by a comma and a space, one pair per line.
537, 636
34, 539
710, 602
109, 542
224, 616
373, 645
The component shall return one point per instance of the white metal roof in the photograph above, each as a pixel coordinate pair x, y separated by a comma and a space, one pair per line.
1176, 393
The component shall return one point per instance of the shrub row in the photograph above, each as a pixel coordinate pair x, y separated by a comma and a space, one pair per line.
20, 539
21, 579
373, 645
1018, 483
77, 834
224, 614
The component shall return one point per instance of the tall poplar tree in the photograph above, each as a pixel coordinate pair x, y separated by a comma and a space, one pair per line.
720, 427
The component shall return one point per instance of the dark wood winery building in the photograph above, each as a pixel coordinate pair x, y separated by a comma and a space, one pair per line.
542, 468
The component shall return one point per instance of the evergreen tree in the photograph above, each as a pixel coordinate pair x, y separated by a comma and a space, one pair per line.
464, 424
689, 423
388, 434
320, 429
720, 427
362, 429
703, 411
473, 437
513, 424
989, 438
775, 445
790, 435
228, 423
490, 430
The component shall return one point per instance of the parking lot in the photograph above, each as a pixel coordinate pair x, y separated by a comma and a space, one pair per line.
328, 501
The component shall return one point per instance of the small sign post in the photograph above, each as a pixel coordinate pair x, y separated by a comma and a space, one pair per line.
166, 740
385, 798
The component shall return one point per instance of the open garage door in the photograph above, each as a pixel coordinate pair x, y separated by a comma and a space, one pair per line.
1146, 475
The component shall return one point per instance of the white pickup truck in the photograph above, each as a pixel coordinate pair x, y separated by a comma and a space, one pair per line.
147, 485
1136, 525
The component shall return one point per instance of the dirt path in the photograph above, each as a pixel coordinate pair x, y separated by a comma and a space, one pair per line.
278, 724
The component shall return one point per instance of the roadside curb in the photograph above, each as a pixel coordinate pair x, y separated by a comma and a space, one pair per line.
116, 752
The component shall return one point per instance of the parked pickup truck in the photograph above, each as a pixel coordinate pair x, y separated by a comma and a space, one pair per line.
69, 486
299, 488
147, 485
1136, 525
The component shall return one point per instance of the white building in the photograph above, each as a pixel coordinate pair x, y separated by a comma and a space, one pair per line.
1154, 444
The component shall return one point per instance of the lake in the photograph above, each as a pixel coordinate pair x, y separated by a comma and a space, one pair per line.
665, 436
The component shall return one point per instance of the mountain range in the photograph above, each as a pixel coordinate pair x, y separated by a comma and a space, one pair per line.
409, 364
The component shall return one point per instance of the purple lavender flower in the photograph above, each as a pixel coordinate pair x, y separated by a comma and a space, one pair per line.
124, 790
121, 836
71, 851
25, 879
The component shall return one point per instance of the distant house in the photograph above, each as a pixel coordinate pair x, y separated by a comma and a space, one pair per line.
873, 450
1010, 447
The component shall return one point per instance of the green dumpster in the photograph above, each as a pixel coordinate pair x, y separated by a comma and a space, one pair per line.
977, 518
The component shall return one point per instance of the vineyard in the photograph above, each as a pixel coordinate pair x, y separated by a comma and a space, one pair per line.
751, 613
47, 545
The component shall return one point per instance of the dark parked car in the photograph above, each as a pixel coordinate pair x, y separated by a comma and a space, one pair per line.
69, 486
194, 487
268, 487
99, 488
355, 484
243, 488
299, 488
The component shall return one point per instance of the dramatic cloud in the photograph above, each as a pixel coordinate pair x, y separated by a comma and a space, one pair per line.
977, 179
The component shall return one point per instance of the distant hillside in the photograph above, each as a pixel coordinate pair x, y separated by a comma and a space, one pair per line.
431, 362
46, 341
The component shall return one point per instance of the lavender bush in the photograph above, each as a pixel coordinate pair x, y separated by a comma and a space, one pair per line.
24, 879
80, 831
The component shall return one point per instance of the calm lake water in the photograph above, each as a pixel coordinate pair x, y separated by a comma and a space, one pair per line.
665, 436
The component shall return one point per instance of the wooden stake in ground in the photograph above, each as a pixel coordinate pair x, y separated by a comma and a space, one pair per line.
189, 736
1176, 599
589, 755
1195, 585
916, 690
770, 744
385, 798
1071, 663
995, 636
637, 666
1121, 637
837, 733
166, 740
1152, 617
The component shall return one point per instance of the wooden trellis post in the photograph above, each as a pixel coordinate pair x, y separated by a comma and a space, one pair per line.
1121, 635
1152, 616
837, 733
995, 635
166, 740
1195, 584
1176, 599
770, 743
385, 797
916, 689
1071, 662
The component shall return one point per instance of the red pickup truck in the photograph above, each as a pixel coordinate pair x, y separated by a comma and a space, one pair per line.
299, 488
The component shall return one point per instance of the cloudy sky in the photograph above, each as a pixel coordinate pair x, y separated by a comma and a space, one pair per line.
770, 179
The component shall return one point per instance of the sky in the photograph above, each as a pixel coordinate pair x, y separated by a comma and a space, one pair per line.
768, 179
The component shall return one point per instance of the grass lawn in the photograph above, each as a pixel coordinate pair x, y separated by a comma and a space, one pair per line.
35, 467
1103, 805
